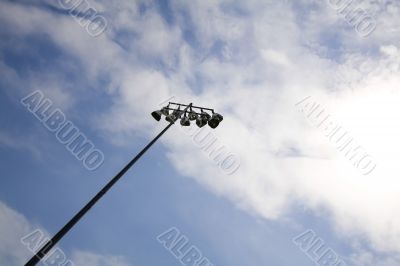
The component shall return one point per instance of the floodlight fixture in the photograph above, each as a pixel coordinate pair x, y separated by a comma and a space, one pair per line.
215, 120
157, 115
185, 122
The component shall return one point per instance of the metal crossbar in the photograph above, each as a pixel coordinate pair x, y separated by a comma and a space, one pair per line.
192, 107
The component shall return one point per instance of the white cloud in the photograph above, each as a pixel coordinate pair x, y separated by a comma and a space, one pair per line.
274, 55
14, 226
16, 141
365, 258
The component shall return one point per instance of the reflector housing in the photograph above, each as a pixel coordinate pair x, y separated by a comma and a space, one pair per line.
156, 115
215, 120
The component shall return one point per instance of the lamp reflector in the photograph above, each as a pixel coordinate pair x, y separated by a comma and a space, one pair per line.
215, 120
156, 115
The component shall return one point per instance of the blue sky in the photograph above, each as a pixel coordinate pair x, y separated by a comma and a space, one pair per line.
250, 61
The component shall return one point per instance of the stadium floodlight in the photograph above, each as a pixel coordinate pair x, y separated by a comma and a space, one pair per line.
201, 117
191, 113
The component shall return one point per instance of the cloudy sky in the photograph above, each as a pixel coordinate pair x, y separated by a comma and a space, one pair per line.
284, 73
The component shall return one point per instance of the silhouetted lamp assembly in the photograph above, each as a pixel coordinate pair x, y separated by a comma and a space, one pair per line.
173, 112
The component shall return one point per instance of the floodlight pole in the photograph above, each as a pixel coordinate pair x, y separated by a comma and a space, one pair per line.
57, 237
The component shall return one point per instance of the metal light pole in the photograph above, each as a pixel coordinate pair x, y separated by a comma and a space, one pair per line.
201, 119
